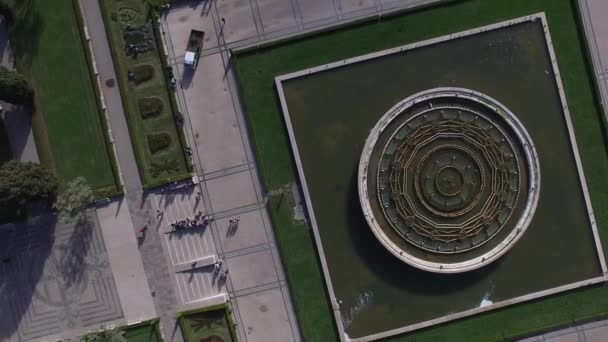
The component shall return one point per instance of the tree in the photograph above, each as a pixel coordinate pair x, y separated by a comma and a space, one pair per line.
72, 202
112, 335
23, 182
13, 87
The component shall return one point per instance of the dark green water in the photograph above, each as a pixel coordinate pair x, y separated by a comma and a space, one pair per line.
332, 113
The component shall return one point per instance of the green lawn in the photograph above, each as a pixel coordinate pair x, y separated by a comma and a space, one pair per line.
170, 162
207, 322
147, 332
257, 70
303, 270
48, 45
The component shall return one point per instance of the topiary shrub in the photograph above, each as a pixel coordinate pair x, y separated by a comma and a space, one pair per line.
13, 87
23, 182
149, 107
142, 73
138, 39
158, 142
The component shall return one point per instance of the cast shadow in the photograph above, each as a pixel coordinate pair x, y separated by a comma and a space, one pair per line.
25, 27
73, 253
392, 270
24, 250
187, 77
178, 234
18, 125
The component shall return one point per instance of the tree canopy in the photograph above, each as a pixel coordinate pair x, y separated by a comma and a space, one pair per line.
111, 335
14, 87
72, 202
22, 182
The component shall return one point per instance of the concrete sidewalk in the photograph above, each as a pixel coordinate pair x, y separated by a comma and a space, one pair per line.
125, 261
593, 14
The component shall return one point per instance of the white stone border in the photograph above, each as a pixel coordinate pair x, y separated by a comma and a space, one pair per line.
335, 306
533, 190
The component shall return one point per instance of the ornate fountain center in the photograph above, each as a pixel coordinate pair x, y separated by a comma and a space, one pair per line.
453, 172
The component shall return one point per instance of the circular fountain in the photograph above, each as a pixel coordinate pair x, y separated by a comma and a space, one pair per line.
449, 180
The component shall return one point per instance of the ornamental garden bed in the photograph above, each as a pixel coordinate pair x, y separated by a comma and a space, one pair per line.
212, 324
149, 103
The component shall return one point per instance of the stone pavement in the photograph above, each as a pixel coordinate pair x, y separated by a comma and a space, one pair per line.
230, 188
55, 280
593, 13
125, 261
590, 332
191, 252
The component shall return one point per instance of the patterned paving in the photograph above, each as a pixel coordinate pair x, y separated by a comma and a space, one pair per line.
55, 279
187, 246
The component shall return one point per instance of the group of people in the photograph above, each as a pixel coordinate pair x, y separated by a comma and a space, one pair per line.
233, 226
198, 221
177, 185
217, 270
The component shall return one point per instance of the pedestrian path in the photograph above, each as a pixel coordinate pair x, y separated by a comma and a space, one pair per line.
593, 14
191, 251
125, 262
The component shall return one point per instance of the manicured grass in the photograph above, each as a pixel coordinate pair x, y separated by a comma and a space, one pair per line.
147, 332
257, 70
117, 16
49, 49
303, 270
207, 322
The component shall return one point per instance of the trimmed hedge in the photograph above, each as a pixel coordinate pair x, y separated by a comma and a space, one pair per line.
149, 107
13, 87
158, 142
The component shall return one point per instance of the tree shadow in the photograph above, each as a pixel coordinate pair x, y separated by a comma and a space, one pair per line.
25, 29
24, 250
18, 126
74, 251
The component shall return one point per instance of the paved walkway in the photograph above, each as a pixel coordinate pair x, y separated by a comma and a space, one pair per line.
139, 211
126, 264
593, 13
590, 332
55, 280
230, 188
